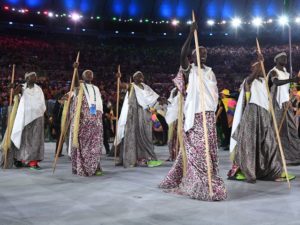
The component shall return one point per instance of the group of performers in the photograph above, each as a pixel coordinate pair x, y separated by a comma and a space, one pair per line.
192, 110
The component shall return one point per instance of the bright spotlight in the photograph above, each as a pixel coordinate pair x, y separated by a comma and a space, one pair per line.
180, 34
116, 32
236, 22
165, 34
189, 22
132, 32
50, 14
31, 25
83, 30
210, 22
175, 22
257, 22
68, 28
283, 20
11, 23
297, 20
75, 16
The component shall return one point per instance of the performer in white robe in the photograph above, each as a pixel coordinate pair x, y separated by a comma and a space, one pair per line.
135, 126
280, 80
28, 131
255, 151
195, 183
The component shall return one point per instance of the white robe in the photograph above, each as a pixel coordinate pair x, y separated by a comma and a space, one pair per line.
32, 106
145, 97
259, 96
90, 96
282, 94
172, 109
192, 103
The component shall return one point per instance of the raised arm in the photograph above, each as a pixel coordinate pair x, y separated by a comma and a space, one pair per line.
184, 62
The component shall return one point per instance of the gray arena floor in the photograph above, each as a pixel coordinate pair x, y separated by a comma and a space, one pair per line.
131, 197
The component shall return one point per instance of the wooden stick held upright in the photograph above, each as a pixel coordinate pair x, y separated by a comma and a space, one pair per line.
273, 117
8, 129
202, 104
117, 111
62, 132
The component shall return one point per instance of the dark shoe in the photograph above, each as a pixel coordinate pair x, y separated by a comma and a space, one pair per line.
18, 164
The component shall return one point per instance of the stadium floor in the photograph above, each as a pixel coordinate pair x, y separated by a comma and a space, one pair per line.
131, 197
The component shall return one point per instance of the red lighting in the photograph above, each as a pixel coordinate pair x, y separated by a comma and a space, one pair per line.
6, 8
45, 12
26, 10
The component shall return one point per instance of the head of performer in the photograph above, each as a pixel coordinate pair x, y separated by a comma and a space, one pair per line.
203, 55
225, 93
256, 69
138, 77
88, 76
30, 78
281, 59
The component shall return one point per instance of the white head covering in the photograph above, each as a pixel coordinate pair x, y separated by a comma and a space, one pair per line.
279, 55
136, 73
29, 74
84, 73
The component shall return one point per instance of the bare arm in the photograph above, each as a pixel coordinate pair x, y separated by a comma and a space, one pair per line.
184, 62
278, 82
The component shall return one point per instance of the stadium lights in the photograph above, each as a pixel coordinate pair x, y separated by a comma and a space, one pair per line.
175, 22
50, 14
257, 22
283, 20
236, 22
75, 16
210, 22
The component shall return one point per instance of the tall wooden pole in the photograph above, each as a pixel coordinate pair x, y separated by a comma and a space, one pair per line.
117, 111
202, 104
63, 130
273, 117
8, 129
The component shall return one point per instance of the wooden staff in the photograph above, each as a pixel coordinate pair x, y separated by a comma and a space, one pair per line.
284, 114
180, 134
273, 116
202, 104
117, 111
62, 132
8, 129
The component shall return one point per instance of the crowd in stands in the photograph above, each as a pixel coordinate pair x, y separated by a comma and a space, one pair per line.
52, 59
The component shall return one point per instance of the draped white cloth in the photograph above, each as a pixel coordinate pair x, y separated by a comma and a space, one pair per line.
90, 96
172, 109
192, 103
282, 94
237, 116
145, 97
32, 106
259, 96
